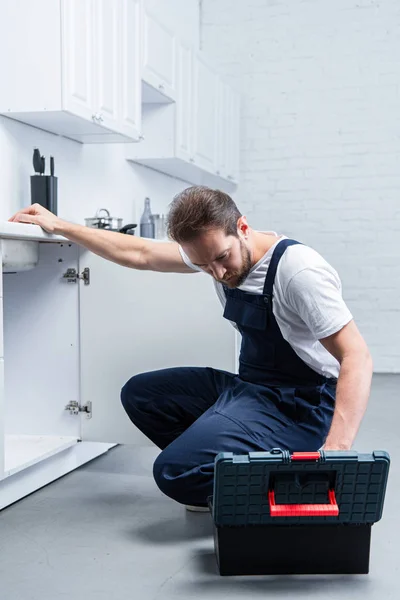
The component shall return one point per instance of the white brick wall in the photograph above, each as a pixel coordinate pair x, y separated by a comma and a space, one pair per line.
320, 149
180, 16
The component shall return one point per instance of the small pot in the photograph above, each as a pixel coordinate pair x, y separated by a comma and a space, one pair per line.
107, 222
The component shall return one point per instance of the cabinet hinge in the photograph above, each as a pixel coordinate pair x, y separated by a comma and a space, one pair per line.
74, 408
72, 276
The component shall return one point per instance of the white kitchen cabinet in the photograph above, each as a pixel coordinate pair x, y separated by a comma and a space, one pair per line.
77, 57
41, 366
204, 119
69, 343
130, 101
73, 67
228, 133
222, 130
197, 138
159, 60
232, 139
183, 116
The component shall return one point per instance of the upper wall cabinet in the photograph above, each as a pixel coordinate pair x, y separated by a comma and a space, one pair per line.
205, 115
183, 116
197, 138
228, 128
73, 67
159, 61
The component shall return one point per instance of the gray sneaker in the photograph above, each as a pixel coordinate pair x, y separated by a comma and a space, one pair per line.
197, 508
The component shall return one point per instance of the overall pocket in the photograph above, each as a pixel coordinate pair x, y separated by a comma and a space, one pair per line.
246, 313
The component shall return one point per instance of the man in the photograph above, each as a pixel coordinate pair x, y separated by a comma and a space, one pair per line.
305, 371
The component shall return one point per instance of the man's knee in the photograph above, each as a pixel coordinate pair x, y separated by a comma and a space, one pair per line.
169, 477
162, 473
133, 393
181, 480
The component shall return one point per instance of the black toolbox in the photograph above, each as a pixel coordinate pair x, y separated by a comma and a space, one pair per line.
281, 513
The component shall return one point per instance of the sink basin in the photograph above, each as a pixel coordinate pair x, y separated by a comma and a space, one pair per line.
19, 255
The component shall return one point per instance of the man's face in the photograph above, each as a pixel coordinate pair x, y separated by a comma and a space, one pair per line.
226, 258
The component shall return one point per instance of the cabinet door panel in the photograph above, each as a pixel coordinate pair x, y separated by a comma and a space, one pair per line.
205, 90
130, 90
223, 122
159, 61
134, 321
233, 136
184, 115
107, 59
77, 57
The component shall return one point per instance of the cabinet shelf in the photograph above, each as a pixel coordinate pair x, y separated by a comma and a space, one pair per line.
22, 451
188, 172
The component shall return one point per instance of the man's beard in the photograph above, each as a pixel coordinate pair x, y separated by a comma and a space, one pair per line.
236, 278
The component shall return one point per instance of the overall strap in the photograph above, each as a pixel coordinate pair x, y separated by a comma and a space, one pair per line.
278, 252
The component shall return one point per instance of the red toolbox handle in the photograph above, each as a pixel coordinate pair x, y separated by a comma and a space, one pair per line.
304, 510
305, 456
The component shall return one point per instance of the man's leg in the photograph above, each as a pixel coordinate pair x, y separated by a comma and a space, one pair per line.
245, 418
184, 470
164, 403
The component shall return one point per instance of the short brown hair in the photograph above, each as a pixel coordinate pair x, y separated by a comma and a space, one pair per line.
200, 208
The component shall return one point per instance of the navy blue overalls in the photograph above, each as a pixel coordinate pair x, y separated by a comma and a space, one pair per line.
193, 413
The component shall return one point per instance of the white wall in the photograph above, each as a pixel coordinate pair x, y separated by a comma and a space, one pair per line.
91, 176
181, 16
320, 148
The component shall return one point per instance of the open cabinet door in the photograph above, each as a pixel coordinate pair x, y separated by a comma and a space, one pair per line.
135, 321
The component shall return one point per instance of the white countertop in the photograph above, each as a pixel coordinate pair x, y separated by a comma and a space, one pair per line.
25, 231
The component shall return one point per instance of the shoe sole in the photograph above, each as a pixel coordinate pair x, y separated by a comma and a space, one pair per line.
197, 508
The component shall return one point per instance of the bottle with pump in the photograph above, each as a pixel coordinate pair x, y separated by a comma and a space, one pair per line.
146, 221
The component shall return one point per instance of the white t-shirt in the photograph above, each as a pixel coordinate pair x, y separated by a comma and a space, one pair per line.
307, 301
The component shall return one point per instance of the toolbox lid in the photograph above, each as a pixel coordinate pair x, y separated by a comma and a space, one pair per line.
280, 488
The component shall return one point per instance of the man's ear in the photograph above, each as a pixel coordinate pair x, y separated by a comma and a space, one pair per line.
243, 227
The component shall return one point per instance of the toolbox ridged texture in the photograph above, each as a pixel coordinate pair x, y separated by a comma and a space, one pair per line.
241, 484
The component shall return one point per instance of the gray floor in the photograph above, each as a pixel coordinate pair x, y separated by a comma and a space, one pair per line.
105, 532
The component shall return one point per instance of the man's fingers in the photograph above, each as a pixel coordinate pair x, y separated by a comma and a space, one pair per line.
23, 218
30, 210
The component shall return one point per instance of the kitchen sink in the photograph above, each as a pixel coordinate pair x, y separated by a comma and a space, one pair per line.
19, 255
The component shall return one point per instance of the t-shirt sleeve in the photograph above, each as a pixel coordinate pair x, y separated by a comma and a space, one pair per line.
315, 294
187, 261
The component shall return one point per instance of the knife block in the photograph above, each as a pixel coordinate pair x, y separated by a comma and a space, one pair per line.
44, 191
